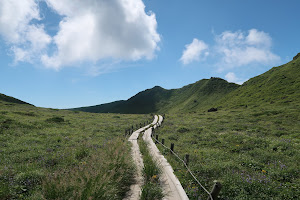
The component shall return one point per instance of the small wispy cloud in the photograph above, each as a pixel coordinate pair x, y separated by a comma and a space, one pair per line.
233, 49
232, 78
195, 51
236, 49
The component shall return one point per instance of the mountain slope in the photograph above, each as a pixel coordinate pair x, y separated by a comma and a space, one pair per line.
280, 86
147, 101
194, 96
199, 95
9, 99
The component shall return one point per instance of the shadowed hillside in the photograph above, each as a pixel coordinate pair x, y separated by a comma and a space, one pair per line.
11, 99
194, 96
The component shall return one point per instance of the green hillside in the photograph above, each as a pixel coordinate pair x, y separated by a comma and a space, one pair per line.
11, 99
199, 95
279, 86
194, 96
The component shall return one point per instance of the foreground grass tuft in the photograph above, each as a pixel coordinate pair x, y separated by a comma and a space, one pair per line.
106, 174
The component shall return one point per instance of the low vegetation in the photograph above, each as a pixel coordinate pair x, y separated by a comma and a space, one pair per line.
151, 190
57, 154
253, 153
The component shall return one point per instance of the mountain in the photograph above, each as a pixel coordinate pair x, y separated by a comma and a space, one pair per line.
9, 99
157, 99
279, 86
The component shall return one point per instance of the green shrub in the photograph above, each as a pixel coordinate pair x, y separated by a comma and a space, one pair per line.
55, 119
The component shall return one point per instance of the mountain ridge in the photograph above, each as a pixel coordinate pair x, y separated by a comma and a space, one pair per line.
158, 99
278, 85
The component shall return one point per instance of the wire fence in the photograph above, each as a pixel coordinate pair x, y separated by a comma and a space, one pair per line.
188, 169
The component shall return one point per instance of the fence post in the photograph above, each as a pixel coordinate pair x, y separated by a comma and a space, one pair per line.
215, 191
163, 141
172, 147
187, 159
156, 137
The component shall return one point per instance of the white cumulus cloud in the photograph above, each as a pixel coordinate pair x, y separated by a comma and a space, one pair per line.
195, 51
15, 16
89, 31
27, 41
98, 29
239, 49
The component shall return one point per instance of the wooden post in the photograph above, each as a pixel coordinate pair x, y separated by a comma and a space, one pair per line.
187, 159
163, 141
215, 191
172, 147
156, 139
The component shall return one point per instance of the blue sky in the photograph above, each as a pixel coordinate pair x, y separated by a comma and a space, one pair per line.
71, 53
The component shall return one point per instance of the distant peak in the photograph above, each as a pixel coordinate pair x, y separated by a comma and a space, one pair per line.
157, 87
216, 78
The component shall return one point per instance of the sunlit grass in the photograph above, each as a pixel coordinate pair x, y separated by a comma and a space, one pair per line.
253, 152
48, 153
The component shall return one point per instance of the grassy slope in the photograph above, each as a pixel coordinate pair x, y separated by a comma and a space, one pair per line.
57, 154
253, 152
194, 96
279, 86
250, 145
199, 95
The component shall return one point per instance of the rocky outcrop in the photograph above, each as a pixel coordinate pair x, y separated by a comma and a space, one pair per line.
297, 56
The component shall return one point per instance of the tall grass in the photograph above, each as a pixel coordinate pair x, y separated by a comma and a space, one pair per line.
106, 174
51, 153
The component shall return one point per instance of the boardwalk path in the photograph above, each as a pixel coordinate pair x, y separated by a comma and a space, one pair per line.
172, 188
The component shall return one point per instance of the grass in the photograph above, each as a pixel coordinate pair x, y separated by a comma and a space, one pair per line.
151, 190
107, 174
253, 152
57, 154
